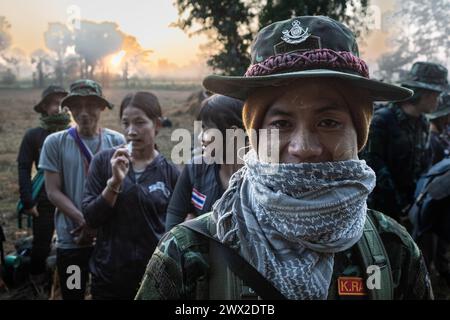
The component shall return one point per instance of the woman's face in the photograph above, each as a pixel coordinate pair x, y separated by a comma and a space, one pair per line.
314, 123
207, 136
139, 129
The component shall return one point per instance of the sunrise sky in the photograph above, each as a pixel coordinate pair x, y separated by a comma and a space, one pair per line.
147, 20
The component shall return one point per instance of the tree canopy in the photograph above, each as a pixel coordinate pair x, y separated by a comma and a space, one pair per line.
231, 24
419, 31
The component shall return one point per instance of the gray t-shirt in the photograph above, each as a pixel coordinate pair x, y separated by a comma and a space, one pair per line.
61, 154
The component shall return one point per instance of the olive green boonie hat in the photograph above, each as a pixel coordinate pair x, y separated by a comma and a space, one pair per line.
304, 47
428, 76
443, 108
85, 88
46, 94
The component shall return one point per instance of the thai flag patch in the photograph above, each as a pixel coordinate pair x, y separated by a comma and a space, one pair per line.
198, 199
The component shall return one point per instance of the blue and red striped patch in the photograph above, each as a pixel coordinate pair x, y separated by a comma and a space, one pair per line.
198, 199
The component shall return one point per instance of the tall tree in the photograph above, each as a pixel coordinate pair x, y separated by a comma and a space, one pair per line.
226, 23
5, 37
15, 59
94, 41
41, 60
419, 31
350, 12
231, 24
58, 38
91, 43
135, 59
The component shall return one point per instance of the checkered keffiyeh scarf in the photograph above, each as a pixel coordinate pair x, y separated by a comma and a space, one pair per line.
288, 220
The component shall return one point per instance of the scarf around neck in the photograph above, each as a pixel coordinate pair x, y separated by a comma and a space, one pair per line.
288, 220
55, 122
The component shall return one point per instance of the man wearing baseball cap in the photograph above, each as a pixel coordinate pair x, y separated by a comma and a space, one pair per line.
398, 135
33, 197
65, 158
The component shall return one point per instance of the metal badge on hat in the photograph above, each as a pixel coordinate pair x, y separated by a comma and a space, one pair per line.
296, 35
297, 39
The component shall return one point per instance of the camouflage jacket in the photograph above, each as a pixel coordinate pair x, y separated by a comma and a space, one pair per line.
397, 152
179, 267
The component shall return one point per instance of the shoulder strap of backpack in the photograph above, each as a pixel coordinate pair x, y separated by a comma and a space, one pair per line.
236, 263
83, 149
373, 253
370, 247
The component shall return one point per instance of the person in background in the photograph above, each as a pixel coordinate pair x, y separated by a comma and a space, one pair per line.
398, 136
39, 207
65, 159
430, 212
201, 184
126, 197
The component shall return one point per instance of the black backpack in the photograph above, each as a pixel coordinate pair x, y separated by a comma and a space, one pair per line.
15, 266
431, 208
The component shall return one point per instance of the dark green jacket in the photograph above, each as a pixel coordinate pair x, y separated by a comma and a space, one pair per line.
397, 152
179, 267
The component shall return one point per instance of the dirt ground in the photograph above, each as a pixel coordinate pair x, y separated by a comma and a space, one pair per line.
16, 116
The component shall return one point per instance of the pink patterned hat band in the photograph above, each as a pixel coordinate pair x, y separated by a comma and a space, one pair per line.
314, 59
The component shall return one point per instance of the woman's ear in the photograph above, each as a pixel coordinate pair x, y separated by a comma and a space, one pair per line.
158, 125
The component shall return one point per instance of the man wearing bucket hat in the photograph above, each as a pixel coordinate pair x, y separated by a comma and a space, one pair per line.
397, 145
65, 159
439, 121
51, 120
297, 227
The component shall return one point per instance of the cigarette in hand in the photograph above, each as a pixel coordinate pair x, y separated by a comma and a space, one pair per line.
130, 148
